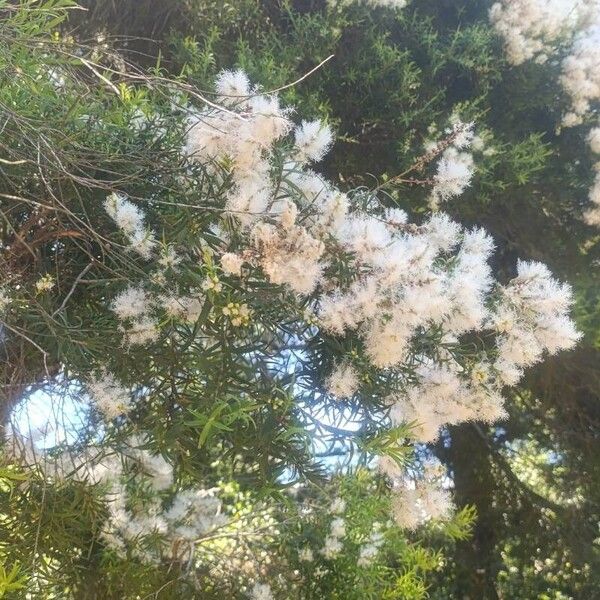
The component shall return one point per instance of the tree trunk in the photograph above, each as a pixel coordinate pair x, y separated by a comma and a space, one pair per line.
477, 559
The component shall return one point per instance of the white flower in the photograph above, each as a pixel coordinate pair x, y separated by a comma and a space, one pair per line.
124, 213
232, 263
338, 506
530, 27
44, 284
111, 398
232, 86
287, 211
338, 528
141, 331
581, 69
169, 259
261, 591
538, 28
289, 257
333, 546
593, 139
343, 382
305, 555
5, 299
405, 508
192, 308
397, 4
454, 172
130, 219
442, 231
132, 303
312, 140
389, 467
370, 550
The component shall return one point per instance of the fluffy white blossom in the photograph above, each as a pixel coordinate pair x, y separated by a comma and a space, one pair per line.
530, 27
232, 86
232, 263
333, 546
592, 214
261, 591
338, 506
389, 467
124, 213
369, 551
337, 531
187, 308
537, 307
394, 4
389, 3
343, 382
593, 139
306, 555
111, 398
169, 259
189, 515
312, 140
537, 28
413, 505
289, 256
454, 173
44, 284
581, 72
132, 303
141, 331
338, 527
129, 218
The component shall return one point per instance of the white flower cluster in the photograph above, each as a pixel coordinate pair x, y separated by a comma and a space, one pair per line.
418, 501
337, 532
111, 398
581, 69
343, 381
537, 28
5, 299
137, 309
93, 465
388, 3
189, 515
405, 282
192, 514
397, 4
261, 591
530, 28
530, 317
334, 542
312, 141
407, 279
592, 215
129, 218
456, 167
369, 551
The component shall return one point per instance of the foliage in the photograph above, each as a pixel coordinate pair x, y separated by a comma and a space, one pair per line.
395, 79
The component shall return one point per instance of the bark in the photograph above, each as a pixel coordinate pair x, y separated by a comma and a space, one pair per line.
477, 559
